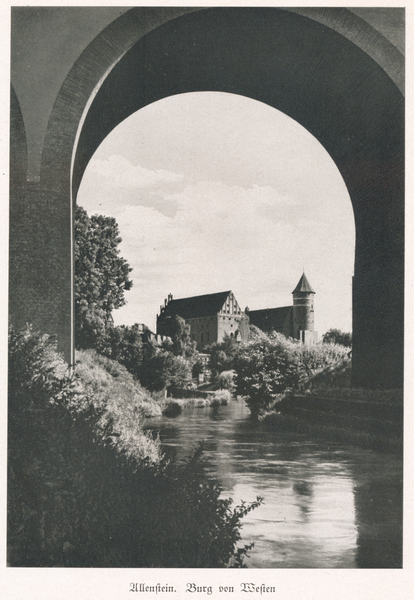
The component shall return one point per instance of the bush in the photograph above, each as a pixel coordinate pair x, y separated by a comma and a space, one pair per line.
164, 370
123, 344
124, 404
222, 355
336, 336
272, 365
336, 375
77, 498
221, 398
225, 380
173, 408
157, 368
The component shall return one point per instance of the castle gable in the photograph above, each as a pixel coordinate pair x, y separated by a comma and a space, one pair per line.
211, 317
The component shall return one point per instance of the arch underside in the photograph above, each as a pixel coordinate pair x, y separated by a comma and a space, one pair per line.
302, 68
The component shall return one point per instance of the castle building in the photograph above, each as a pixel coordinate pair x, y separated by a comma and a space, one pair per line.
210, 317
296, 321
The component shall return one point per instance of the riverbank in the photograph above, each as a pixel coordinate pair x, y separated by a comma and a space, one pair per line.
369, 418
174, 405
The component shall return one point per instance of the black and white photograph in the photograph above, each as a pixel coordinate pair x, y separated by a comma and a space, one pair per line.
206, 300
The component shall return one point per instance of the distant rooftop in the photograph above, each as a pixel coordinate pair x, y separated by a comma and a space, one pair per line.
270, 318
197, 306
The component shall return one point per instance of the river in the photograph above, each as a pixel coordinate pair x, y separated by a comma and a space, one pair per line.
326, 504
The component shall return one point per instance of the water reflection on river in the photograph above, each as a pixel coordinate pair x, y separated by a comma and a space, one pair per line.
327, 504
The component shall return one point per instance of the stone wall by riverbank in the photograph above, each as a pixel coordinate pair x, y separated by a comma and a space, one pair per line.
377, 424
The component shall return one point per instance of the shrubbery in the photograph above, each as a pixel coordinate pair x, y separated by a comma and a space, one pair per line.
272, 365
336, 336
78, 493
221, 398
164, 370
222, 355
124, 404
123, 344
225, 380
173, 407
336, 375
156, 367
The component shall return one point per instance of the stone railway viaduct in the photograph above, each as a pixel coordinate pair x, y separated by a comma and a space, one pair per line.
78, 72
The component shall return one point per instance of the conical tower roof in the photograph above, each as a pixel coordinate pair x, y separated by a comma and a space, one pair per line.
304, 286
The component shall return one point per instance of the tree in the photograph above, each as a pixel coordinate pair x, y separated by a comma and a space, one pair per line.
336, 336
222, 355
265, 369
124, 344
163, 370
181, 343
101, 276
270, 366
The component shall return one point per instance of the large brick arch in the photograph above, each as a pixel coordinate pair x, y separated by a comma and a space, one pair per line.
346, 96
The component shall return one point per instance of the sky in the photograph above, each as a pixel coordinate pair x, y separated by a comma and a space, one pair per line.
214, 192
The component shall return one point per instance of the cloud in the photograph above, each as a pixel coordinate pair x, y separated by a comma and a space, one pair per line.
120, 173
111, 184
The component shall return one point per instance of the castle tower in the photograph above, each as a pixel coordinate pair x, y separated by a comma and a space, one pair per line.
303, 314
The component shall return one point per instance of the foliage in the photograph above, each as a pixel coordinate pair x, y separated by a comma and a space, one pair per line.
392, 397
256, 333
264, 370
225, 380
336, 375
75, 499
163, 370
180, 343
203, 529
315, 359
222, 355
221, 398
156, 368
272, 365
173, 407
198, 368
121, 399
336, 336
124, 344
101, 276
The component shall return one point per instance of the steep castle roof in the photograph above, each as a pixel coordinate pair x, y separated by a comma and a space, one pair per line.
269, 319
304, 286
197, 306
